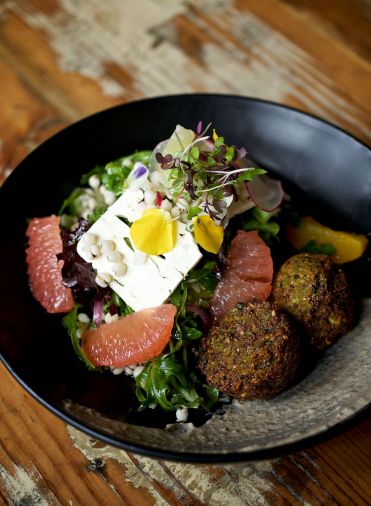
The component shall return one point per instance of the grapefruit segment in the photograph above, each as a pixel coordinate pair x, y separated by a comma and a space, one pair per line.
133, 339
248, 275
43, 267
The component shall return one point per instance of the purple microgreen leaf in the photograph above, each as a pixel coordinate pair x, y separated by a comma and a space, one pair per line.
206, 145
218, 158
159, 157
167, 161
189, 186
113, 309
240, 153
199, 127
78, 274
230, 190
217, 206
208, 209
185, 165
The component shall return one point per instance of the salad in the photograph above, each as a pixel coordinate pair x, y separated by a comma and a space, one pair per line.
162, 262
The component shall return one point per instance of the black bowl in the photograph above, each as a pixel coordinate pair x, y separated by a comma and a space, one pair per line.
327, 164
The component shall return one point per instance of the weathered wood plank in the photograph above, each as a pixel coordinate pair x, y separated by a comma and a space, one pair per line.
196, 47
25, 119
32, 438
347, 21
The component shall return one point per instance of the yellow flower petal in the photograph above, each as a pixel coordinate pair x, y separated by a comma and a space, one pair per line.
154, 233
215, 135
208, 234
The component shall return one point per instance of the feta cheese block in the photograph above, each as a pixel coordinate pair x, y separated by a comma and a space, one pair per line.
148, 282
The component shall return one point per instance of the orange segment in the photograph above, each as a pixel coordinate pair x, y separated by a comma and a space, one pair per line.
348, 246
44, 270
133, 339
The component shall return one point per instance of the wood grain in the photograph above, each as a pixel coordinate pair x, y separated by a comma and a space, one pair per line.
61, 60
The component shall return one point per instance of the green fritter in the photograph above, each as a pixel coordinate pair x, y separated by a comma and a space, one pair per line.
316, 293
254, 353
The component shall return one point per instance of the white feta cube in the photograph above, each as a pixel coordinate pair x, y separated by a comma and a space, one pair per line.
146, 284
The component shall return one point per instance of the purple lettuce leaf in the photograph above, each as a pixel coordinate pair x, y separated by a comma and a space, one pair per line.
78, 274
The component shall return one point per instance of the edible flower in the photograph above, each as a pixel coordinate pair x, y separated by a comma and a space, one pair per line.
137, 176
155, 233
208, 234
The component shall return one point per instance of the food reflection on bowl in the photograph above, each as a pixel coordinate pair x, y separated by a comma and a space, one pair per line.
261, 425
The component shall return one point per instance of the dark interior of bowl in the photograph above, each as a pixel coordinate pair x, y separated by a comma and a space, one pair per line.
331, 167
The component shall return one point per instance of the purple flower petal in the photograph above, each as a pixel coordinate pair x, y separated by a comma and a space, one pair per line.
139, 170
199, 128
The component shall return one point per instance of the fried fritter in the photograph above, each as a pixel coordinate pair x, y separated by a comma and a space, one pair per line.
316, 293
254, 353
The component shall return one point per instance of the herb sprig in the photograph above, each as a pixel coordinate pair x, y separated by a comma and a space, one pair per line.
207, 171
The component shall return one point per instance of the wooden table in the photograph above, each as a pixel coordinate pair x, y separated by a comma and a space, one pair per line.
63, 59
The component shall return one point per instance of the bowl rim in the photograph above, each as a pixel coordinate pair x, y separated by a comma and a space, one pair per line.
212, 458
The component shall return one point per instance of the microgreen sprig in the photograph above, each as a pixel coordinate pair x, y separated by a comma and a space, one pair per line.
208, 168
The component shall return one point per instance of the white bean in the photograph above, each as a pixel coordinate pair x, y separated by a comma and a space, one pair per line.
117, 370
109, 198
94, 181
108, 247
91, 204
119, 268
175, 212
114, 257
95, 250
138, 370
109, 318
83, 318
100, 282
127, 163
105, 276
181, 414
182, 203
166, 205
